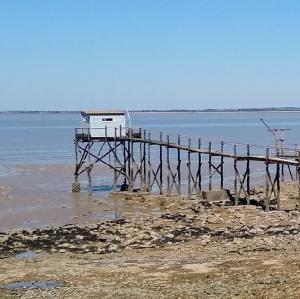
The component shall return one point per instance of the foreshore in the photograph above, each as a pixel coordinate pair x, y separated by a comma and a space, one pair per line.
186, 250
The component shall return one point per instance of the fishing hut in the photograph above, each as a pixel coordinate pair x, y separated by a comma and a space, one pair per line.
103, 133
98, 124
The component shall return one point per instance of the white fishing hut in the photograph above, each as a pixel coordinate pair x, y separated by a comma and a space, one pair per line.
102, 123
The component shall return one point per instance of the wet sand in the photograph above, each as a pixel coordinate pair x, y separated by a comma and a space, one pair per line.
35, 196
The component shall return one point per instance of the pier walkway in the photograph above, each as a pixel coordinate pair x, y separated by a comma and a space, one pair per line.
184, 165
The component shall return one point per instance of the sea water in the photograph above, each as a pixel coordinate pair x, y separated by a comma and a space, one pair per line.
47, 138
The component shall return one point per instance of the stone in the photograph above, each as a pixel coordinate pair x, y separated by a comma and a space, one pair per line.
106, 238
294, 213
215, 195
169, 236
112, 248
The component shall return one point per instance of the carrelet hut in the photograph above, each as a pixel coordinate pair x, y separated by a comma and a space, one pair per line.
102, 123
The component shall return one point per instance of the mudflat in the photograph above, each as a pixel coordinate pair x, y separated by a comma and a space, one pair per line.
187, 250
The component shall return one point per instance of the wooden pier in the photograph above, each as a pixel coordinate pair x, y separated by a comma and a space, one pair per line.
182, 165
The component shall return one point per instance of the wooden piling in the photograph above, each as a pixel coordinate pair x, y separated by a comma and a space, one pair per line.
146, 188
160, 166
209, 166
178, 167
236, 196
248, 175
222, 166
199, 168
189, 169
131, 161
149, 162
115, 161
267, 187
169, 167
277, 193
298, 172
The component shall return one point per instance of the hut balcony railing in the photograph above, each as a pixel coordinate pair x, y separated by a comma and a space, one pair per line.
86, 134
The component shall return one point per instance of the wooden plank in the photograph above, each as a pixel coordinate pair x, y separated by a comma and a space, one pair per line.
218, 153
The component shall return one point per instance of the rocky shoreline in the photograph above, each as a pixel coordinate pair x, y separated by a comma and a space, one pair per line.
189, 249
188, 221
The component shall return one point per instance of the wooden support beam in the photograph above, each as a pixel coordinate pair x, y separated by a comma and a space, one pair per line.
199, 168
189, 170
160, 166
89, 169
209, 166
267, 187
236, 197
125, 157
298, 174
145, 188
222, 166
132, 178
129, 161
277, 194
115, 161
149, 163
178, 167
169, 167
248, 174
141, 172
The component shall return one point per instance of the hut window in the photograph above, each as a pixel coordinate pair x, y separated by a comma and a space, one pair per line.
107, 119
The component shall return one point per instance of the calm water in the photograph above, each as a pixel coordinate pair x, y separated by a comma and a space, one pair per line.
48, 138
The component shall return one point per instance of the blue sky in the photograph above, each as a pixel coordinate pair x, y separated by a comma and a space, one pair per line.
69, 55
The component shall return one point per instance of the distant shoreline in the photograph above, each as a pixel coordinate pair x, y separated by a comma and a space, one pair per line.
271, 109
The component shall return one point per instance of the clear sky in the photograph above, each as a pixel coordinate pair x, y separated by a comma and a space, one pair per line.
149, 54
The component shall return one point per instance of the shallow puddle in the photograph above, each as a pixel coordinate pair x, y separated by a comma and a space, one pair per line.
26, 255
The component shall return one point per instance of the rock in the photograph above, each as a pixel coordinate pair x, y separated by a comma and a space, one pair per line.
294, 213
112, 248
106, 238
169, 236
215, 195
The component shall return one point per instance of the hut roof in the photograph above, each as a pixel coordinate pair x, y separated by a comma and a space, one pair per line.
103, 112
